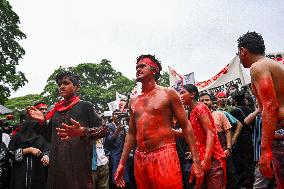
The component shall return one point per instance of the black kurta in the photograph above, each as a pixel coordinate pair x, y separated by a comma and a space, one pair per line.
70, 161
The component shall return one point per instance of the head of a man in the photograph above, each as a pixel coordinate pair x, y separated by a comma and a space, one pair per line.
68, 84
41, 106
147, 66
188, 94
206, 99
238, 98
221, 99
250, 44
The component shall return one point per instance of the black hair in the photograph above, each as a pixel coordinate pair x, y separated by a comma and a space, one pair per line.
239, 98
192, 89
155, 60
205, 94
253, 42
73, 78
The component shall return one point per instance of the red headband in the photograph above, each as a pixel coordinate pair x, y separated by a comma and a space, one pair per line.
150, 62
40, 105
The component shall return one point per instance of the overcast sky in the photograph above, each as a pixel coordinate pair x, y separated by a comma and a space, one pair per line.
188, 35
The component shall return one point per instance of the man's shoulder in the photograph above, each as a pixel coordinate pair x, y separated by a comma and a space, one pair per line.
85, 103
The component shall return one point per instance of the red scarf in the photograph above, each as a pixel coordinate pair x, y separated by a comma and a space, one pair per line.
60, 106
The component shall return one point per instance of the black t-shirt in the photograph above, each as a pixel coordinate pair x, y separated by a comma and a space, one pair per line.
182, 147
240, 113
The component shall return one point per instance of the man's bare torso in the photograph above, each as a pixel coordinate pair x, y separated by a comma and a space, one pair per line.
276, 70
153, 119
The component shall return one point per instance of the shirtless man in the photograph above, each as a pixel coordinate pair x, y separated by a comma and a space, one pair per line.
151, 113
267, 84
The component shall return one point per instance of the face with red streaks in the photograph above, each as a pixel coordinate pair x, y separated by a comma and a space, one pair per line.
186, 97
143, 71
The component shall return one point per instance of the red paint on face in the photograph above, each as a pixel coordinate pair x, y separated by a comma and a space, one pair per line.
185, 96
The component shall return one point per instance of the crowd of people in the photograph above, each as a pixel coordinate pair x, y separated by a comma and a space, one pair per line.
164, 139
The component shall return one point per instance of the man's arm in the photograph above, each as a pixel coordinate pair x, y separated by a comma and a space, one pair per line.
251, 117
206, 125
128, 146
227, 129
237, 132
264, 86
188, 134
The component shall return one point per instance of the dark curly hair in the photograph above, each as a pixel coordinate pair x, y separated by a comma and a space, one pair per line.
253, 42
192, 89
155, 60
73, 78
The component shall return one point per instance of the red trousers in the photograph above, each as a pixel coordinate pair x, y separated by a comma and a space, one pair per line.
158, 169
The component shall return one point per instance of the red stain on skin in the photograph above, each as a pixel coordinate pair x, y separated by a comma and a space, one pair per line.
269, 104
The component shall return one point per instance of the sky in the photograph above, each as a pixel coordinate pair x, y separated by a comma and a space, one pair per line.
188, 35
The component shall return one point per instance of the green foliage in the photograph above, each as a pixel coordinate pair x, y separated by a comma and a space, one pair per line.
19, 104
164, 80
99, 82
10, 51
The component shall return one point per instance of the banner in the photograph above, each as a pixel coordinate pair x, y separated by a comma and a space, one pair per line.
279, 57
233, 73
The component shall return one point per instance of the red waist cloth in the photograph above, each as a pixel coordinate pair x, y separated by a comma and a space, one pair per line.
158, 168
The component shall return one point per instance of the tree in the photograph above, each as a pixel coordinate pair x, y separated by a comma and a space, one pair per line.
10, 51
99, 82
164, 80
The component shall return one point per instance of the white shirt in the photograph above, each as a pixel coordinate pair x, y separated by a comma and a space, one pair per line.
101, 157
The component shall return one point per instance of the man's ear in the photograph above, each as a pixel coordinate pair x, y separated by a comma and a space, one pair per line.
78, 88
192, 95
243, 51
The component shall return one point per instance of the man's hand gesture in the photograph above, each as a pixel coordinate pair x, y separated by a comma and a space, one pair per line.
35, 114
67, 131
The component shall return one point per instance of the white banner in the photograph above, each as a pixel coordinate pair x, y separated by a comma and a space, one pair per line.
233, 73
279, 57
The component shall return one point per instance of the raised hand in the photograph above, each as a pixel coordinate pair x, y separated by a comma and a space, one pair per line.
197, 172
35, 114
264, 164
67, 131
118, 176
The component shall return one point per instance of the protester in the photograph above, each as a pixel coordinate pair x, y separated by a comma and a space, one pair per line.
30, 154
151, 114
211, 154
70, 160
5, 167
223, 128
266, 78
114, 144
